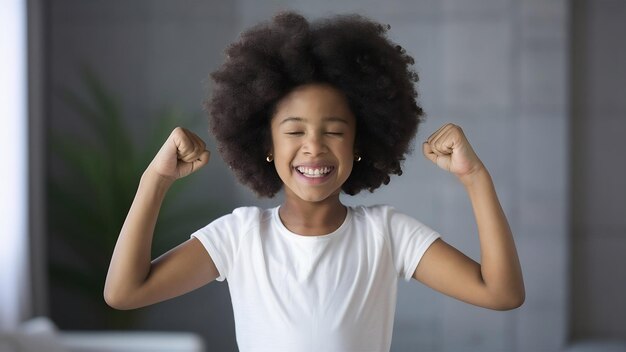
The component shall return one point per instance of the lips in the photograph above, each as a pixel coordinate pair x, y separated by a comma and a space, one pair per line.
314, 171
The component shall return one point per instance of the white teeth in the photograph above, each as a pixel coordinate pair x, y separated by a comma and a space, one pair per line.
314, 172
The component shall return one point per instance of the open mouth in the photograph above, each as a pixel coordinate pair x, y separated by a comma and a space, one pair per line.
314, 172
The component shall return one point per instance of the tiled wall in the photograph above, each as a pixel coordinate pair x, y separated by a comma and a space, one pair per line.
498, 68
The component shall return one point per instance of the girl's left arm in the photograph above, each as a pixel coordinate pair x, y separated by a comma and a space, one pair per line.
496, 282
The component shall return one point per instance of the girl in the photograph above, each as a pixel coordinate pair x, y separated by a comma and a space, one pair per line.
315, 109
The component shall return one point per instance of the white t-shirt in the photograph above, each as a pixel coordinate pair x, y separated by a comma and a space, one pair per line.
335, 292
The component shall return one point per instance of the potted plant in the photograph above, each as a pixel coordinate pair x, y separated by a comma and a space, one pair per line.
88, 200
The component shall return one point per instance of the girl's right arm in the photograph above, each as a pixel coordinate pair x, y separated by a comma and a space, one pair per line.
133, 280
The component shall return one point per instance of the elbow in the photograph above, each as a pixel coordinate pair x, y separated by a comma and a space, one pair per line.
513, 301
116, 300
521, 298
112, 300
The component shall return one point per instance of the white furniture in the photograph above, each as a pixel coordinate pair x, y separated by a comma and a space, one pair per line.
40, 334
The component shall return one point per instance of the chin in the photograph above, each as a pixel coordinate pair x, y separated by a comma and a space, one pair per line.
313, 199
317, 198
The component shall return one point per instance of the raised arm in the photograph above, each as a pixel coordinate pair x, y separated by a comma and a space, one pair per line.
497, 281
133, 280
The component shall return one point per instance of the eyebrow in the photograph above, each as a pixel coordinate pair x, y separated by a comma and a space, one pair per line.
326, 119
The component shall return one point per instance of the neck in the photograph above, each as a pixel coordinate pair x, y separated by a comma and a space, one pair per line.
312, 218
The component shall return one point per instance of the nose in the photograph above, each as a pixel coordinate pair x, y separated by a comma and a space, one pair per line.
314, 144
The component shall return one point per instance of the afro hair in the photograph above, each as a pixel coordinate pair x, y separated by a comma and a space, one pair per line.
349, 52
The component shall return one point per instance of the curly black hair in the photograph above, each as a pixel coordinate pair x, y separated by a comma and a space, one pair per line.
349, 52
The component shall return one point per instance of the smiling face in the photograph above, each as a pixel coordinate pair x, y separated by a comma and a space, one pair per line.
313, 132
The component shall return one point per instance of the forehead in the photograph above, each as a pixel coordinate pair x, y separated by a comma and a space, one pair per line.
312, 101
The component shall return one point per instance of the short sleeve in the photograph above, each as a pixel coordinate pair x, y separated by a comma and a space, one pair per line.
221, 238
409, 241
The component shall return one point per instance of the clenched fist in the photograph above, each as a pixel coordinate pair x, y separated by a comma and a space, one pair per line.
182, 153
449, 149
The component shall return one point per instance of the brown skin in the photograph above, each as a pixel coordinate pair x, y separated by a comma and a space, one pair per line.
313, 127
497, 282
134, 281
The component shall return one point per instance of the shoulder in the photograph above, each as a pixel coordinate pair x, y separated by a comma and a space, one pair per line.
250, 215
372, 218
387, 218
373, 213
240, 220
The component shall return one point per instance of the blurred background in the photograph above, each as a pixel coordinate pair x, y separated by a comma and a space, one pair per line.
539, 87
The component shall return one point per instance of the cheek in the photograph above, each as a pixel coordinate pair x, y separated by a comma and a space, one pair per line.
283, 148
348, 150
347, 158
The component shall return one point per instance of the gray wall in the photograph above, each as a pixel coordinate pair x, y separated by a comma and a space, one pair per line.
151, 54
498, 68
598, 169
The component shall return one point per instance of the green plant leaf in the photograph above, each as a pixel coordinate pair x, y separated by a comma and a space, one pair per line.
90, 195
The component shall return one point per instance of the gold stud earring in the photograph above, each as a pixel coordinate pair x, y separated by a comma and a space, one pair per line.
269, 158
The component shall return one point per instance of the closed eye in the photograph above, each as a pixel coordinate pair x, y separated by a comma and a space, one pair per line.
335, 133
294, 133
